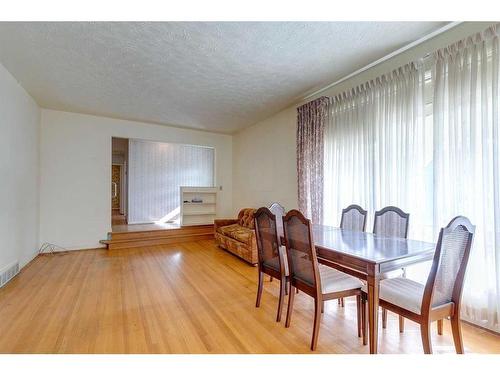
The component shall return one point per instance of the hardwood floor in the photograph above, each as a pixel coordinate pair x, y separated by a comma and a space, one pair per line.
185, 298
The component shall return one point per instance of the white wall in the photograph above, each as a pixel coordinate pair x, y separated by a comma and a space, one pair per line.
75, 199
265, 153
264, 163
19, 172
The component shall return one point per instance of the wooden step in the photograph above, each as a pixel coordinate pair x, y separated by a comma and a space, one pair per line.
195, 229
127, 240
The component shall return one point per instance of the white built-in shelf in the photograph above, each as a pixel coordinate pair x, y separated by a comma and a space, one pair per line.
198, 213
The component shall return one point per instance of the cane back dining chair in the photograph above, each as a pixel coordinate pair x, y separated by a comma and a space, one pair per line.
318, 281
279, 211
391, 221
270, 259
440, 297
353, 218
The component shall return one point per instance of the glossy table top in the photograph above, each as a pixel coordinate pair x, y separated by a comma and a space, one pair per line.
367, 246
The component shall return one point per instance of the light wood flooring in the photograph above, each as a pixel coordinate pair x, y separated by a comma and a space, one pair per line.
186, 298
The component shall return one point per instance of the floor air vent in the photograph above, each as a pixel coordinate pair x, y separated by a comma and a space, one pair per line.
8, 272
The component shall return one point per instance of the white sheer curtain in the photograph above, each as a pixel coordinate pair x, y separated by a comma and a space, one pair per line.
432, 148
375, 152
466, 162
157, 170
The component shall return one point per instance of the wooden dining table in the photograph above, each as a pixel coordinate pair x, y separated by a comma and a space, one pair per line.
368, 256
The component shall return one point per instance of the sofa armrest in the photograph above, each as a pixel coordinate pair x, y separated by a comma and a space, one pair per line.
223, 222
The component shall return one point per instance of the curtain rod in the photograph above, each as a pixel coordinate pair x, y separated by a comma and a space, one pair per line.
385, 58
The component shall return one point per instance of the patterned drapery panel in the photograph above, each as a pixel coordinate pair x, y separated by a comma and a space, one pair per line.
311, 120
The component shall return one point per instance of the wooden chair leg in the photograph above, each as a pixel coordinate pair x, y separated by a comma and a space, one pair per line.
456, 329
358, 311
281, 298
339, 301
364, 320
322, 307
259, 289
287, 286
402, 319
317, 321
440, 326
342, 302
290, 306
425, 332
384, 318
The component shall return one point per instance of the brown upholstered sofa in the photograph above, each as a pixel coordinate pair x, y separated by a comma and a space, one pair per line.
238, 235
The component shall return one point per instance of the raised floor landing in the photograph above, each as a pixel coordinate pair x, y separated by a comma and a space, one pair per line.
143, 227
119, 224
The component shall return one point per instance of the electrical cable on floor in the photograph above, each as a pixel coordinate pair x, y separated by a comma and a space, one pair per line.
50, 248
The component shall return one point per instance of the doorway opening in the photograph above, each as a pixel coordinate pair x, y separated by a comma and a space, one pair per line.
119, 181
146, 181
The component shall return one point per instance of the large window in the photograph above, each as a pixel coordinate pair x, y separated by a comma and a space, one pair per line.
378, 150
428, 141
157, 170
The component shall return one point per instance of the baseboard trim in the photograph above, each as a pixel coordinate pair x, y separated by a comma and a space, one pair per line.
493, 332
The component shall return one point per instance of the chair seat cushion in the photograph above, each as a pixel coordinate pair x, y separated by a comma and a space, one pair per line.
274, 262
401, 292
333, 280
237, 232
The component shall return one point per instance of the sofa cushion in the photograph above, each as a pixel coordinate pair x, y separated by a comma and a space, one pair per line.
227, 229
237, 232
245, 217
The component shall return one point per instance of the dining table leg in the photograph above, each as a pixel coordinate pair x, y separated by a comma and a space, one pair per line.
373, 290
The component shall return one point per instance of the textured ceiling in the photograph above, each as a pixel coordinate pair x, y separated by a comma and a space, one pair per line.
218, 76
